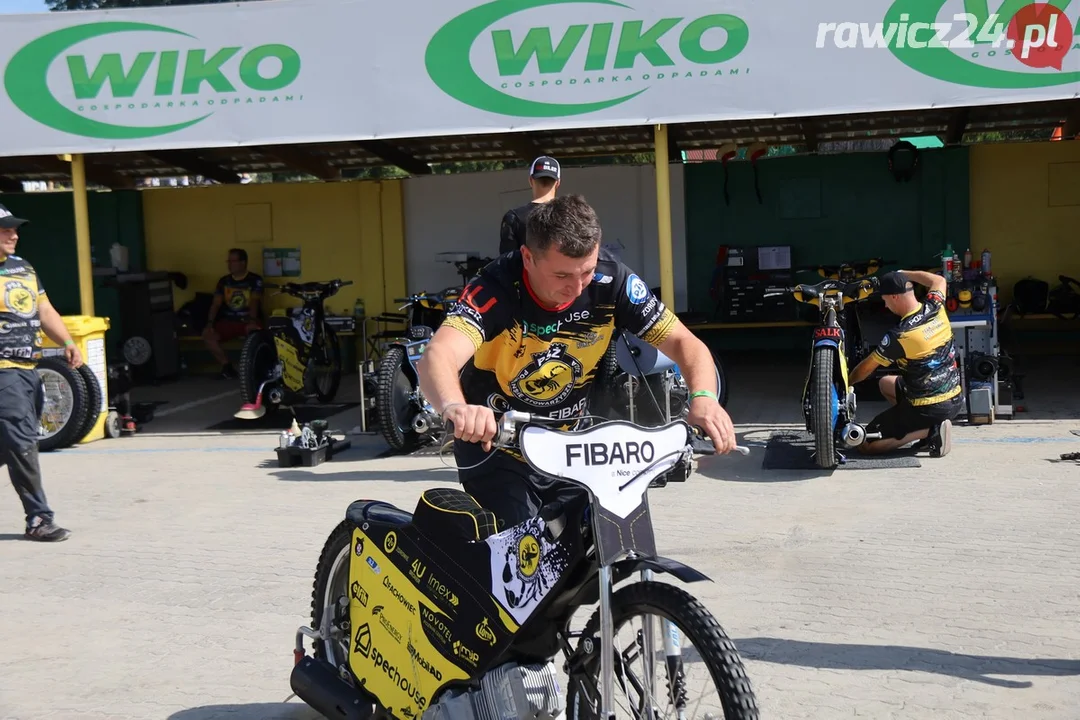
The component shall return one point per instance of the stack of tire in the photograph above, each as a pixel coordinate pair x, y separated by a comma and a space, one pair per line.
85, 391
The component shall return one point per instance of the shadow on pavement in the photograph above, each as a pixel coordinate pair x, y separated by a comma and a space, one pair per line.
253, 711
846, 656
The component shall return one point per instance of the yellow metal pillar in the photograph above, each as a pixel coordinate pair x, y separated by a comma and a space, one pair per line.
82, 234
663, 217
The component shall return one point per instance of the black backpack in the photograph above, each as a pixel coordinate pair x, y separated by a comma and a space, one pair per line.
1064, 300
1030, 296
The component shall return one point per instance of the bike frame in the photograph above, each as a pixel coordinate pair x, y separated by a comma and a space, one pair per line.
830, 333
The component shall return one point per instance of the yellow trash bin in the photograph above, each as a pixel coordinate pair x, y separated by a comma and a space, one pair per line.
88, 332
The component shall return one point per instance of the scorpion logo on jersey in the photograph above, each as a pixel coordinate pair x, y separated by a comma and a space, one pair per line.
19, 299
549, 378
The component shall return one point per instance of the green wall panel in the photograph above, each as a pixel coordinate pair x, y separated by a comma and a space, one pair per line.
828, 208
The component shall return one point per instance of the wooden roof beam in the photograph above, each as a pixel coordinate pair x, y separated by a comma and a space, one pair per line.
524, 147
395, 156
54, 165
296, 157
1071, 127
810, 136
195, 165
958, 121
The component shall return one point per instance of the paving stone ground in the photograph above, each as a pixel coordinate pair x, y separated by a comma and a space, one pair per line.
948, 591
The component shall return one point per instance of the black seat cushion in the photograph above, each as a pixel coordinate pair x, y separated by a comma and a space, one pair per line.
452, 511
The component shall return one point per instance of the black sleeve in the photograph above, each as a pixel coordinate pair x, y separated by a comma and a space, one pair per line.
889, 350
510, 238
482, 312
639, 311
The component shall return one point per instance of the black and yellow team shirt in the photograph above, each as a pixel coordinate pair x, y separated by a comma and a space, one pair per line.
20, 292
922, 347
236, 296
538, 360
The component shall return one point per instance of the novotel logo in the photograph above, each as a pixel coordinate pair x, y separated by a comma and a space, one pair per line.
616, 453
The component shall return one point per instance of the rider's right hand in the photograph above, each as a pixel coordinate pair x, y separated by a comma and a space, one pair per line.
472, 423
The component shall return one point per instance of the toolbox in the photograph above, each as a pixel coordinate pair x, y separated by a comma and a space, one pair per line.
292, 455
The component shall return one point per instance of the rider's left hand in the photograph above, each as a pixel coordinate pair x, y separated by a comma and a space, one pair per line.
711, 417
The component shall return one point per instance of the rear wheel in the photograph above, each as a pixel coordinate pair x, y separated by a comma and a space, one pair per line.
395, 406
331, 594
257, 361
825, 407
679, 682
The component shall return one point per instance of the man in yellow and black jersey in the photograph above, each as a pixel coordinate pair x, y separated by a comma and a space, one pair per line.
528, 334
926, 397
24, 310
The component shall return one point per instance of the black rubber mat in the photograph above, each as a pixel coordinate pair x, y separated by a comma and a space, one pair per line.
794, 450
282, 419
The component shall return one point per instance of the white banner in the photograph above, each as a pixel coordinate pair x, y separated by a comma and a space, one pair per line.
283, 71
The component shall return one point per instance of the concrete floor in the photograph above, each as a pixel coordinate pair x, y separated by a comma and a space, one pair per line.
948, 591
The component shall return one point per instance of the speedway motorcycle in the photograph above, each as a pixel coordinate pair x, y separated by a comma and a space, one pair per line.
406, 418
442, 613
637, 382
829, 404
296, 358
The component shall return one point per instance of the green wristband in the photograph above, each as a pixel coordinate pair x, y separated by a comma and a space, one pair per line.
703, 393
68, 342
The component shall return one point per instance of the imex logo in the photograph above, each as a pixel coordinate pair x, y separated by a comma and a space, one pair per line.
1015, 45
555, 58
125, 80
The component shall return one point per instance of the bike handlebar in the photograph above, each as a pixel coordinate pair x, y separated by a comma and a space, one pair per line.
850, 290
700, 444
310, 288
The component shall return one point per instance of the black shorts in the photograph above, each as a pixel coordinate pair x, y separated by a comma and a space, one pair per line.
904, 418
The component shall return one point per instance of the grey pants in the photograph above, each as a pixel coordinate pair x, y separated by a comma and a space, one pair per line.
21, 402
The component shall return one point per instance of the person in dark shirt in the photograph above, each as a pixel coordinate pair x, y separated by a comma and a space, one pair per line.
545, 175
926, 397
235, 310
528, 334
25, 309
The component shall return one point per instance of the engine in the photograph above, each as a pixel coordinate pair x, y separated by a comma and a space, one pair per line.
507, 692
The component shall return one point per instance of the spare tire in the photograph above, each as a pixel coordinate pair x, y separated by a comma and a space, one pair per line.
94, 401
66, 404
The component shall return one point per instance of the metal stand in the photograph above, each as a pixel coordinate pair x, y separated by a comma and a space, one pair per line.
607, 646
364, 368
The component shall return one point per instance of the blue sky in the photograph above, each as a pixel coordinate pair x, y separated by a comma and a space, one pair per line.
22, 6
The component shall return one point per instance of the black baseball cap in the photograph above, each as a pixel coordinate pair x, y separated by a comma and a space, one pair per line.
545, 166
9, 221
894, 283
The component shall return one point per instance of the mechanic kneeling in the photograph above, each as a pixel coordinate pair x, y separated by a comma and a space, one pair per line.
926, 397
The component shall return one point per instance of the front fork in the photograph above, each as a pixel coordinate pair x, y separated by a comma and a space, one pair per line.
672, 643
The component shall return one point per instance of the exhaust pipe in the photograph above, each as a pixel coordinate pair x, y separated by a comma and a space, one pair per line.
854, 434
317, 683
424, 422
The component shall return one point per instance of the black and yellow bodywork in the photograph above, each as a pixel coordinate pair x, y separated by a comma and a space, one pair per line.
437, 598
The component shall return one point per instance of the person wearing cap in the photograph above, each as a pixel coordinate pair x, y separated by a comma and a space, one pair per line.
926, 396
545, 174
25, 309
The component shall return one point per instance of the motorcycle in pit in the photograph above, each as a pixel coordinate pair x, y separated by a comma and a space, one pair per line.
296, 359
442, 613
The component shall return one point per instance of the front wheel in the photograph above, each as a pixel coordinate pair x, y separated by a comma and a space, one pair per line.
680, 684
330, 598
325, 367
394, 403
825, 407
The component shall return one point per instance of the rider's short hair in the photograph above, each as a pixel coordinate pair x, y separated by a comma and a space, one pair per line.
568, 224
240, 253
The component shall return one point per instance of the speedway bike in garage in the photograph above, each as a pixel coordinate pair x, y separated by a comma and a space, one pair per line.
296, 359
441, 613
829, 404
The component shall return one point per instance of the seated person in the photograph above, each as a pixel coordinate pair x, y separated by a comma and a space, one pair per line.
236, 309
926, 397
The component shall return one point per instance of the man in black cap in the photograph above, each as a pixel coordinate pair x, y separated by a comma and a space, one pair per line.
24, 310
544, 178
926, 396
